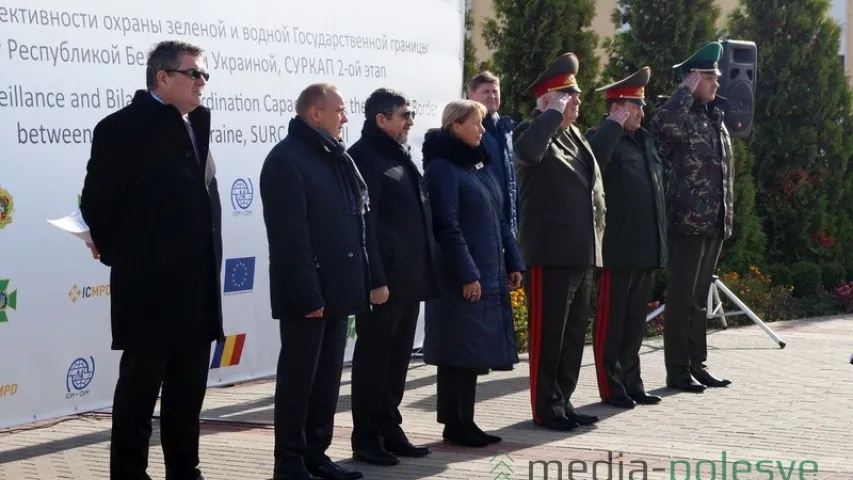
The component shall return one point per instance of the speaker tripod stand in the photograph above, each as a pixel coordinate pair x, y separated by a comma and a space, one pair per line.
715, 309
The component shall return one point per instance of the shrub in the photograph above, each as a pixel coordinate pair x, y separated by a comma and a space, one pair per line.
519, 320
806, 278
832, 275
755, 289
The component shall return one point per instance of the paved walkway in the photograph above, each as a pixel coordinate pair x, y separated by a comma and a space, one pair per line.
791, 408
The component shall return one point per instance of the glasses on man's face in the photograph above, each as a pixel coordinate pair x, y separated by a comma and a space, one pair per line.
407, 115
193, 73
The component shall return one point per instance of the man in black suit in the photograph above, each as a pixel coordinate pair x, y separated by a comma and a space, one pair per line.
151, 202
402, 276
315, 202
561, 223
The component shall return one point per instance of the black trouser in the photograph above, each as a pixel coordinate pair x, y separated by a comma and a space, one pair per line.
620, 326
308, 382
380, 364
558, 315
456, 395
182, 373
692, 262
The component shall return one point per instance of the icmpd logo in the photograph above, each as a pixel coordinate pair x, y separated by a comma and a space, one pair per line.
242, 194
79, 376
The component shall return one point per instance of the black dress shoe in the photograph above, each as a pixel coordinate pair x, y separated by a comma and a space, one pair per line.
293, 476
333, 471
490, 439
645, 399
462, 435
582, 419
376, 455
561, 424
686, 385
406, 449
705, 378
622, 402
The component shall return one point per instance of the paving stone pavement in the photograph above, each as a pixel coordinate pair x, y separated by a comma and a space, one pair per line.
789, 407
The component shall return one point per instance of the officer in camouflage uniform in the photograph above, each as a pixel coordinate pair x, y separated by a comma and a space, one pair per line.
697, 153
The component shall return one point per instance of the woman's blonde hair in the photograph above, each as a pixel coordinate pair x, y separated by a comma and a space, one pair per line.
457, 111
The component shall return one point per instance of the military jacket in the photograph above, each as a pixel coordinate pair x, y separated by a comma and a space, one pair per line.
696, 149
632, 171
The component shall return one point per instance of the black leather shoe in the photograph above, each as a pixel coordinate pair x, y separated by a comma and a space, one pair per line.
645, 399
490, 439
293, 476
621, 402
462, 435
582, 419
705, 378
375, 456
561, 424
333, 471
406, 449
686, 385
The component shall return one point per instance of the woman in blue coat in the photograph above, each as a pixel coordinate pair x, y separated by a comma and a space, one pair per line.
469, 329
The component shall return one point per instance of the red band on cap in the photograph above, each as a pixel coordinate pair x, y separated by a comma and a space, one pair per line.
626, 92
555, 83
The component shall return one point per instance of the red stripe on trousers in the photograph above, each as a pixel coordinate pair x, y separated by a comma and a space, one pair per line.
534, 321
601, 322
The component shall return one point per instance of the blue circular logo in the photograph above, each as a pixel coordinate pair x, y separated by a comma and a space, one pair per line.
80, 374
242, 193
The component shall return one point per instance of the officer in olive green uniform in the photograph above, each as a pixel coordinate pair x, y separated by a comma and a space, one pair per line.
561, 224
697, 153
634, 240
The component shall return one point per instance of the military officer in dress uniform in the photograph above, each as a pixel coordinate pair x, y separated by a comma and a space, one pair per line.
697, 153
634, 240
561, 223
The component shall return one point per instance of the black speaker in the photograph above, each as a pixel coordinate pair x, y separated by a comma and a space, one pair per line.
738, 66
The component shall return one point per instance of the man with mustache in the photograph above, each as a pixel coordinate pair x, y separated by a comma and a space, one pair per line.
561, 223
697, 153
634, 240
402, 275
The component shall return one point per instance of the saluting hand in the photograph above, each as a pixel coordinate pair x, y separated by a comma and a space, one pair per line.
557, 101
472, 291
691, 81
619, 114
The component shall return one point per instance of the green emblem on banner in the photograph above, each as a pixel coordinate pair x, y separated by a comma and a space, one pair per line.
8, 300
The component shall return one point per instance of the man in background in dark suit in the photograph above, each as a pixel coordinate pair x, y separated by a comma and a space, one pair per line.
402, 275
151, 202
314, 203
561, 223
486, 89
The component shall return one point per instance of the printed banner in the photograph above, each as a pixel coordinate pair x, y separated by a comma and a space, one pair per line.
67, 64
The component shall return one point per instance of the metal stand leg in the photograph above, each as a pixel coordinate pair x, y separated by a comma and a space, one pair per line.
715, 309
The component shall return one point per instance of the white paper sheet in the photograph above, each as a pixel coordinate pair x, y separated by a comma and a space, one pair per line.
74, 225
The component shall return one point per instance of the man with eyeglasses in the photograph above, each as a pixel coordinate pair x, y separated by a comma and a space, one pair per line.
151, 202
402, 252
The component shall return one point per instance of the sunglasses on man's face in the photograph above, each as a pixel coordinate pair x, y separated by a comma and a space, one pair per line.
193, 73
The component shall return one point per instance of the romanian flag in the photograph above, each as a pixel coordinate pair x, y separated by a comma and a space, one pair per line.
228, 352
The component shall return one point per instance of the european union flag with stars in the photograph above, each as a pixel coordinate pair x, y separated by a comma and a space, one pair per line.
239, 274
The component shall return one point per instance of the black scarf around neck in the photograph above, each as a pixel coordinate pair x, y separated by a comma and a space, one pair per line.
349, 178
